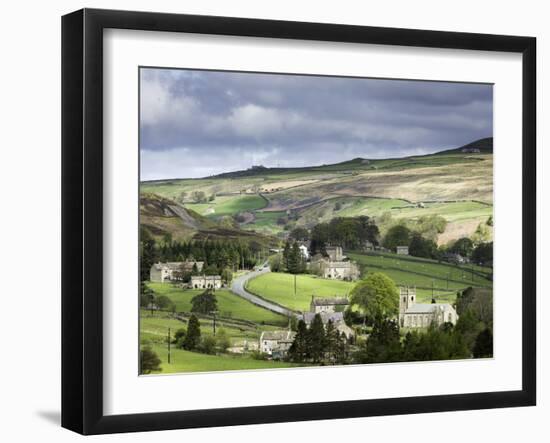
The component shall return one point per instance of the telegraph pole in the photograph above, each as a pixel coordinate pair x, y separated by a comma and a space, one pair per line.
169, 346
214, 322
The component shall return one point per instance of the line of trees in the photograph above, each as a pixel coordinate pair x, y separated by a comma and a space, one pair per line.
348, 232
426, 247
217, 255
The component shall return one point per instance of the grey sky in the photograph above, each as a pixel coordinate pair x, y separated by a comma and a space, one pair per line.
200, 123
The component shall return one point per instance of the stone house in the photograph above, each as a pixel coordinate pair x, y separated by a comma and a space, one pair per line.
171, 271
335, 265
276, 343
205, 282
328, 304
422, 315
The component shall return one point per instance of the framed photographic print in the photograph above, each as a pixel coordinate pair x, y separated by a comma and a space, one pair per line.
311, 220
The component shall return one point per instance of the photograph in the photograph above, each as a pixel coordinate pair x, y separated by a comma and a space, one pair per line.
299, 220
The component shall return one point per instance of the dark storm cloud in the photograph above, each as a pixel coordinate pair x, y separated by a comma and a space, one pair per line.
198, 123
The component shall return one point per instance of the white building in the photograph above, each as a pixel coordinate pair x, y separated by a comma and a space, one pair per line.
304, 251
422, 315
402, 250
161, 272
205, 282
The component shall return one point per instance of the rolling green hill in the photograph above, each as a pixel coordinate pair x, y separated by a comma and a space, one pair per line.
269, 201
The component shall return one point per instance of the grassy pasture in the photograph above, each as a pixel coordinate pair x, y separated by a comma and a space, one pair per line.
412, 272
154, 328
266, 222
279, 287
229, 205
186, 361
229, 304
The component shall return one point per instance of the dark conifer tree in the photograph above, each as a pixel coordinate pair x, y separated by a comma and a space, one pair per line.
298, 350
193, 335
316, 339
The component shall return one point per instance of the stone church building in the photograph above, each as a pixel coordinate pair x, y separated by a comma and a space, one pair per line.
422, 315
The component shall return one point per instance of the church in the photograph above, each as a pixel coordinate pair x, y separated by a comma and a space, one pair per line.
422, 315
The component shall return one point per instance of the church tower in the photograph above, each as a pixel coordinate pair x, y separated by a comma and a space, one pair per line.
407, 298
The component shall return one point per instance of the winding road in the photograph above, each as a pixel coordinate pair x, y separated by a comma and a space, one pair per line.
238, 288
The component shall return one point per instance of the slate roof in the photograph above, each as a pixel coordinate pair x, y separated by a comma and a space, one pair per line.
278, 335
425, 308
336, 317
176, 265
329, 301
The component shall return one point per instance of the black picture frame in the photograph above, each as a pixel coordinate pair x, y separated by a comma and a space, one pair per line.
82, 233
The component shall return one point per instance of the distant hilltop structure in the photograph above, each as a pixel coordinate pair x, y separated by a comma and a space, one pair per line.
470, 150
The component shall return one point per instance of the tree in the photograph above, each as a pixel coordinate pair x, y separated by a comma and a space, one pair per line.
482, 234
198, 196
422, 247
181, 197
207, 345
286, 254
332, 338
165, 303
276, 263
148, 253
298, 350
376, 295
179, 336
383, 344
205, 302
483, 347
429, 226
149, 360
147, 295
299, 233
227, 275
483, 254
463, 246
316, 339
398, 235
193, 336
295, 260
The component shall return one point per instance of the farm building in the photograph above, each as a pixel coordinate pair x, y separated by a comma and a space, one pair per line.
470, 150
304, 251
276, 343
402, 250
336, 266
422, 315
205, 282
161, 272
326, 304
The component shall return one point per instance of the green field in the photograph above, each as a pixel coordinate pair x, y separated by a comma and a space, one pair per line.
279, 287
458, 276
228, 205
185, 361
450, 185
229, 304
266, 222
154, 328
